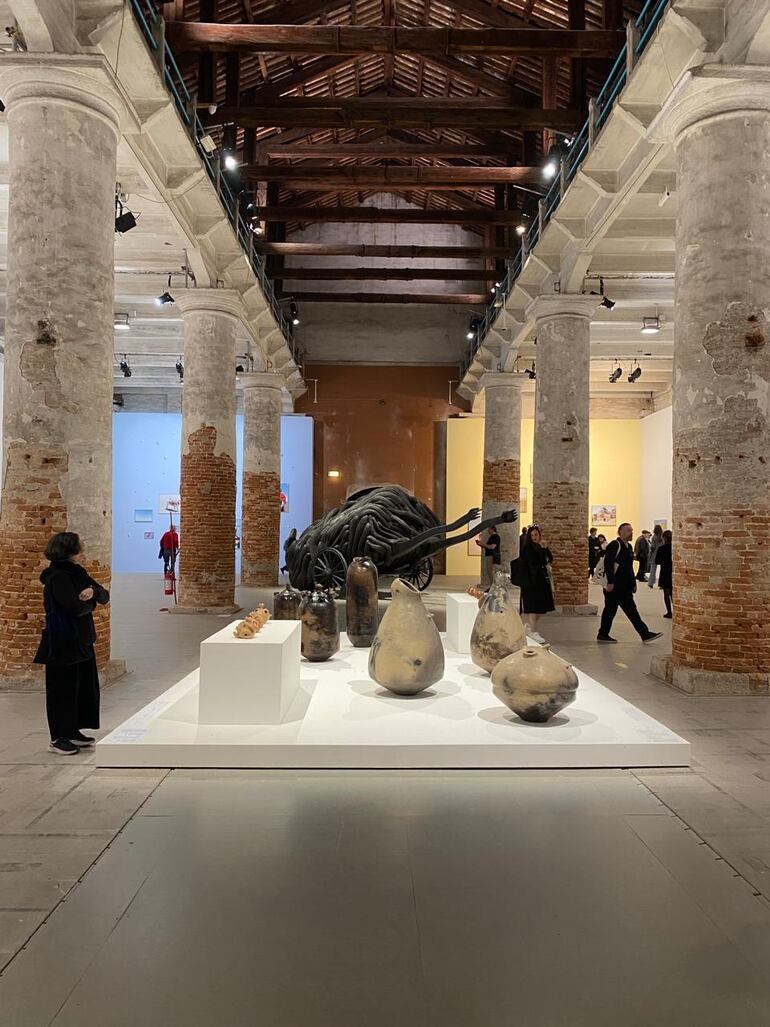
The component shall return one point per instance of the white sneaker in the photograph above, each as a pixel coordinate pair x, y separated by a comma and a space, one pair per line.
536, 637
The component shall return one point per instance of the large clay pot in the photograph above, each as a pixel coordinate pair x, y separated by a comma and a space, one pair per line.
498, 630
534, 683
320, 626
361, 602
286, 604
406, 655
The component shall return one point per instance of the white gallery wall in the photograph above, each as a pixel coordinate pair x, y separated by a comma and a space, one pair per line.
657, 453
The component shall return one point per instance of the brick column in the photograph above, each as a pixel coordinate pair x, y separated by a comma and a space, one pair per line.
560, 467
261, 517
207, 515
502, 455
63, 126
721, 384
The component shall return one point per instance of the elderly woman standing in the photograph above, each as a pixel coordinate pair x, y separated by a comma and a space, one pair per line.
66, 648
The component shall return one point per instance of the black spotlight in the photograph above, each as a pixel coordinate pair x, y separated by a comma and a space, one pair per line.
473, 327
530, 373
635, 375
124, 219
294, 314
616, 375
180, 369
606, 301
124, 367
239, 368
165, 297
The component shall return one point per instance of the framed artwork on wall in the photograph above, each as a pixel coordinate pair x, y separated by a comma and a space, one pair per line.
143, 516
604, 516
149, 534
661, 521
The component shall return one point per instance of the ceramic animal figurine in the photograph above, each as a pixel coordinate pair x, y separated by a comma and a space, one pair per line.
252, 623
406, 655
498, 630
534, 683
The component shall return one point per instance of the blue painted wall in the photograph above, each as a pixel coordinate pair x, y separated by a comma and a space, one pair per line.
145, 465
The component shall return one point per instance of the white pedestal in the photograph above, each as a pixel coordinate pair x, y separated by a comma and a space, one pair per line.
461, 610
249, 680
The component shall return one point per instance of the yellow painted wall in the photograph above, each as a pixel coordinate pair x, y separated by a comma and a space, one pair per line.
615, 474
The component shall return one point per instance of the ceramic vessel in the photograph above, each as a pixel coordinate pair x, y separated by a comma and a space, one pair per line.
406, 655
361, 602
286, 604
498, 630
320, 626
534, 683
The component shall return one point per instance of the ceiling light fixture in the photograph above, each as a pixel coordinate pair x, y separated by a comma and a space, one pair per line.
120, 323
616, 374
165, 297
230, 161
650, 325
124, 366
207, 144
294, 314
530, 372
636, 374
180, 369
473, 328
606, 301
124, 219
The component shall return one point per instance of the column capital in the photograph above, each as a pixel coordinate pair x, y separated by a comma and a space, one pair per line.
212, 301
262, 380
84, 80
500, 379
710, 91
562, 304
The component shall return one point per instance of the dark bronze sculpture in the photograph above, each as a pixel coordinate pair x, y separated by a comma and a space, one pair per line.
387, 524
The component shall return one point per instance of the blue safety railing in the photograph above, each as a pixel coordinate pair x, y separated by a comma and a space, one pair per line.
151, 24
644, 27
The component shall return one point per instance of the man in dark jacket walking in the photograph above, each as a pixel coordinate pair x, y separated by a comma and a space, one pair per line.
620, 587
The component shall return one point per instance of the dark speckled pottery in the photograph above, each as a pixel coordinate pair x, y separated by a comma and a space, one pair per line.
286, 604
320, 626
361, 602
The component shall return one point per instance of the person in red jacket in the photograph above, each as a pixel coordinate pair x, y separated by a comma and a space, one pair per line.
169, 547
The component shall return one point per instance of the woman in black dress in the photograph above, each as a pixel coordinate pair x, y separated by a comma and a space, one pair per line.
536, 594
663, 559
70, 596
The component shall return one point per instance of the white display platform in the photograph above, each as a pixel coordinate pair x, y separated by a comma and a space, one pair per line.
249, 680
341, 719
461, 610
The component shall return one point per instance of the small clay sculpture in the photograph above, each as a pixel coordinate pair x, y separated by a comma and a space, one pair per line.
253, 623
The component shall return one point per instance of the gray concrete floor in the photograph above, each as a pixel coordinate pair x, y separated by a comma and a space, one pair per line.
467, 898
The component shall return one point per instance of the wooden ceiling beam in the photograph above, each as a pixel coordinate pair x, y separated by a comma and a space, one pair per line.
415, 112
319, 249
385, 151
391, 215
463, 298
304, 74
385, 39
384, 274
356, 177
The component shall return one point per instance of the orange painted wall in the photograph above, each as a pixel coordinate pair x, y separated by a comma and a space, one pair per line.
378, 424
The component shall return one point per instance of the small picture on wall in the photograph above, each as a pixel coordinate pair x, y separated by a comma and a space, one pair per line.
662, 522
603, 516
149, 534
143, 516
284, 497
169, 503
522, 501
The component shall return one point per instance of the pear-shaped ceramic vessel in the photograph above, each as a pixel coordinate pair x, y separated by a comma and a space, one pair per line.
406, 655
534, 683
498, 630
361, 602
320, 626
286, 604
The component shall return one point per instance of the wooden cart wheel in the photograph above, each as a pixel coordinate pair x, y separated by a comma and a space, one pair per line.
421, 575
330, 569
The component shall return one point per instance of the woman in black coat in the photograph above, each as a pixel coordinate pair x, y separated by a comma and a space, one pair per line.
536, 593
66, 648
664, 560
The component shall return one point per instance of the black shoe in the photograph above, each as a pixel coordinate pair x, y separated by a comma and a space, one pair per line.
668, 616
606, 638
651, 636
63, 747
81, 740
